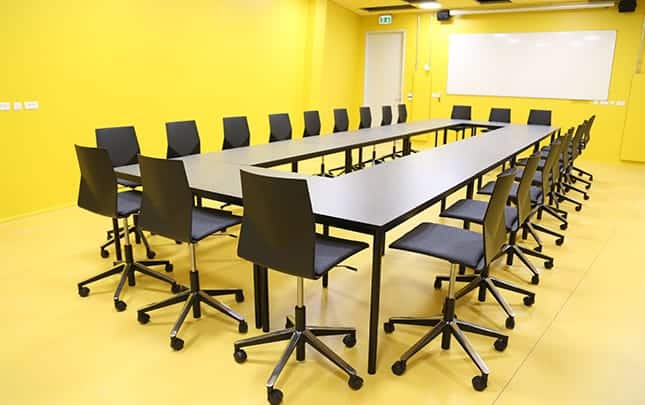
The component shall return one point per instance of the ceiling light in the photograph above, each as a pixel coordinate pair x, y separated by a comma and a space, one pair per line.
430, 5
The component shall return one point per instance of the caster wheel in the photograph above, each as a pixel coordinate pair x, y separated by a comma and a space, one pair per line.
243, 327
355, 382
564, 227
176, 344
500, 344
151, 254
120, 305
349, 340
588, 186
528, 301
538, 249
480, 382
535, 280
83, 291
240, 356
176, 288
437, 284
510, 323
143, 318
586, 197
398, 368
559, 241
548, 265
579, 208
275, 396
239, 296
177, 242
105, 254
388, 327
169, 268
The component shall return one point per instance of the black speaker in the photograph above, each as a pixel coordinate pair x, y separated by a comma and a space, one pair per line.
444, 15
626, 6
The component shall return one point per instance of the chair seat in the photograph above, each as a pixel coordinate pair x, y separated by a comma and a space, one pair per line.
331, 251
127, 183
536, 192
127, 203
456, 245
474, 211
207, 221
537, 179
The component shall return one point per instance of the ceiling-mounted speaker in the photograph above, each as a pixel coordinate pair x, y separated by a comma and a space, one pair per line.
444, 15
626, 6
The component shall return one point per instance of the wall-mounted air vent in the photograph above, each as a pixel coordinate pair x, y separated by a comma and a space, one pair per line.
381, 9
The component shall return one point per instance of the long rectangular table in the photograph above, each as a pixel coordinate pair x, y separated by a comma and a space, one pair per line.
370, 201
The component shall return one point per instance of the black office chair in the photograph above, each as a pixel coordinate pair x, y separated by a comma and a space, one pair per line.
123, 147
518, 218
539, 117
341, 124
312, 128
585, 141
236, 133
366, 122
97, 193
278, 221
386, 119
279, 127
460, 112
500, 115
167, 210
459, 247
403, 118
183, 139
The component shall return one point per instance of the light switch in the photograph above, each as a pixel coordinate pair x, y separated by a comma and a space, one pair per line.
5, 106
31, 105
17, 105
426, 67
410, 96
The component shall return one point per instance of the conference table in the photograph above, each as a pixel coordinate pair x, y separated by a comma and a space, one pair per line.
371, 201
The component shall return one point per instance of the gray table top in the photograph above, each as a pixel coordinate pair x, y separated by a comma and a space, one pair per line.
378, 197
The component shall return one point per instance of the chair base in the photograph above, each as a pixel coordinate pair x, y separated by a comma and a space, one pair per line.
582, 172
127, 269
484, 282
193, 299
139, 237
299, 335
513, 249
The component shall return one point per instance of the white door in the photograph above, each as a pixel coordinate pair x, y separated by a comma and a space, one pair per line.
384, 52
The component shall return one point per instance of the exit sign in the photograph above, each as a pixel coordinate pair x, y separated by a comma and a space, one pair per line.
385, 19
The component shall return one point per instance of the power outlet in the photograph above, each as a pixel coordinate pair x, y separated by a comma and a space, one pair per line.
17, 106
31, 105
5, 106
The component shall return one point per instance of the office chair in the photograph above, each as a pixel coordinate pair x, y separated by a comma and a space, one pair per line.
97, 193
183, 139
278, 221
500, 115
584, 143
366, 122
167, 209
312, 128
341, 124
279, 127
460, 112
236, 133
518, 218
386, 119
539, 117
459, 247
123, 147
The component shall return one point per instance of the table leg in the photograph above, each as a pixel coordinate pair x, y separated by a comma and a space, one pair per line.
348, 161
117, 239
257, 296
536, 147
469, 196
436, 138
445, 136
377, 246
407, 146
325, 277
294, 167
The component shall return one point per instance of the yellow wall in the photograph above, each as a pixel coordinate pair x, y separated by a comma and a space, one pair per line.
633, 147
433, 49
122, 62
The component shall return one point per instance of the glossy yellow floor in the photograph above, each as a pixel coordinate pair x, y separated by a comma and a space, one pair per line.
581, 343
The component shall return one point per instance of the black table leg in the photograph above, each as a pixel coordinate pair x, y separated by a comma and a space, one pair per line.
377, 246
325, 277
264, 285
348, 161
294, 167
407, 146
117, 239
445, 136
257, 296
436, 138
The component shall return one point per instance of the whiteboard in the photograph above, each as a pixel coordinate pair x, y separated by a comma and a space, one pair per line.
569, 65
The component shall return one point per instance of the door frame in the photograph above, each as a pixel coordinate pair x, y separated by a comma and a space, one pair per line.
403, 47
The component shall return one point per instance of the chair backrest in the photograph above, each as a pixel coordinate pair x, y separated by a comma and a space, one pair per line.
461, 112
403, 114
312, 123
167, 205
494, 226
523, 201
539, 117
278, 229
97, 188
587, 135
576, 142
563, 162
183, 139
341, 120
500, 115
366, 118
236, 132
279, 127
549, 167
386, 116
121, 144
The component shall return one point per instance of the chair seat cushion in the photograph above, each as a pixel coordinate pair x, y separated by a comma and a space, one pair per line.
127, 203
207, 221
474, 211
536, 192
456, 245
331, 251
127, 183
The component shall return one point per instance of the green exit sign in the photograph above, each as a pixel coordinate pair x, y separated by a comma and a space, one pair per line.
385, 19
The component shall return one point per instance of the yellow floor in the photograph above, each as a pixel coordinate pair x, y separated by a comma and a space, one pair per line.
581, 343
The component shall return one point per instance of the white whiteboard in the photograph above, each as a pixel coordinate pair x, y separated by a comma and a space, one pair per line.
570, 65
